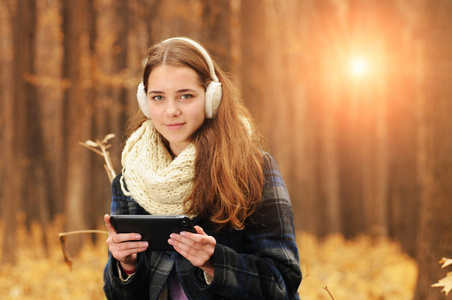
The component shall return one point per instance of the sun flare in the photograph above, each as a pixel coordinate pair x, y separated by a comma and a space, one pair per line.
359, 66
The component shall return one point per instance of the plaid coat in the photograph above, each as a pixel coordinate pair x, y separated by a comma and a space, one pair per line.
258, 262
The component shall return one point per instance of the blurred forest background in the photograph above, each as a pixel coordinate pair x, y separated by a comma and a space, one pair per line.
353, 96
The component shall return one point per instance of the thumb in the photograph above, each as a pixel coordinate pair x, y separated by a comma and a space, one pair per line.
108, 224
199, 230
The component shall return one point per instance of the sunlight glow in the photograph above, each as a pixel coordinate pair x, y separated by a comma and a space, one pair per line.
359, 66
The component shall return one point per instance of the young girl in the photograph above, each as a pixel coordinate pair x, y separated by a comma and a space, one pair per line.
193, 149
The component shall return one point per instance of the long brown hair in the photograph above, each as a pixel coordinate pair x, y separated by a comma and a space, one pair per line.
229, 163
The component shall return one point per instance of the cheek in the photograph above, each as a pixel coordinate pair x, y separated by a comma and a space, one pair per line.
154, 110
199, 113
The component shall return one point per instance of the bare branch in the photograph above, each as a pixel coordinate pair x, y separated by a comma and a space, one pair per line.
103, 145
62, 235
326, 289
91, 148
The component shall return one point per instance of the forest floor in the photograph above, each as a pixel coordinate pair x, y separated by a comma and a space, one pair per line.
363, 267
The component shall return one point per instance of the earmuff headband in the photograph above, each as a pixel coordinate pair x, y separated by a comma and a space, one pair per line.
202, 51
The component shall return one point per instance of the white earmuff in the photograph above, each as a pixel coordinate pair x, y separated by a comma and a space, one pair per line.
213, 99
214, 91
142, 100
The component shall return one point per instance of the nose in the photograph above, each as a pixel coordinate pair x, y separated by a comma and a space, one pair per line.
172, 109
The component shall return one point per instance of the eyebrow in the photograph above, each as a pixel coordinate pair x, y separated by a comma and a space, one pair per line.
178, 91
155, 92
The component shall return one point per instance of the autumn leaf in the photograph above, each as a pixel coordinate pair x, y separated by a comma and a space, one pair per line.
446, 262
446, 282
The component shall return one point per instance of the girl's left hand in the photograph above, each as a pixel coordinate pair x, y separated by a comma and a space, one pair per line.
197, 247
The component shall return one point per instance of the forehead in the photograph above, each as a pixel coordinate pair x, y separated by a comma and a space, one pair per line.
168, 75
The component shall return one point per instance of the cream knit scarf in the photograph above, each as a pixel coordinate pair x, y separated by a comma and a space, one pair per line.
154, 180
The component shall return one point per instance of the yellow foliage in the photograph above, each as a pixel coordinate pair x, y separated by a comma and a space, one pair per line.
37, 277
365, 268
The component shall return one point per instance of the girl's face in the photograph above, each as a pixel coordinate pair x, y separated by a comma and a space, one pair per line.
176, 104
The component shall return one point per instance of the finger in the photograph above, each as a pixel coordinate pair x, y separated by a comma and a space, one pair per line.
125, 237
198, 257
184, 239
200, 238
181, 248
121, 251
175, 240
187, 243
127, 256
110, 228
130, 246
119, 237
199, 230
198, 247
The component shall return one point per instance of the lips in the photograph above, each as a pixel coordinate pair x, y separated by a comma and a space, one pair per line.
174, 126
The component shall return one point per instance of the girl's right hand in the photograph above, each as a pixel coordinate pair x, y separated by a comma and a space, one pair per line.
124, 246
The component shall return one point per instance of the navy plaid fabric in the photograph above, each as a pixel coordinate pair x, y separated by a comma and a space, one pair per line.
258, 262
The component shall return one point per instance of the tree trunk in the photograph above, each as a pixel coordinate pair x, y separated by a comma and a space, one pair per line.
435, 237
50, 87
106, 81
9, 192
44, 115
78, 115
271, 86
329, 179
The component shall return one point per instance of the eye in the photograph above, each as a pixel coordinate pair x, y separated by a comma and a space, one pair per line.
157, 98
186, 96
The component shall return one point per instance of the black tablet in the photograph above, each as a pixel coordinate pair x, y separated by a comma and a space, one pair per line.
154, 229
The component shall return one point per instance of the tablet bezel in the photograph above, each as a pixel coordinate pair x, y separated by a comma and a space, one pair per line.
153, 229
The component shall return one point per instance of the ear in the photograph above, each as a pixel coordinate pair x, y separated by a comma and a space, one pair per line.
142, 100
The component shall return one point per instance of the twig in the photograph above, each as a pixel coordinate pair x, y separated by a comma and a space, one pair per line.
62, 235
91, 148
326, 288
110, 176
82, 231
103, 146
